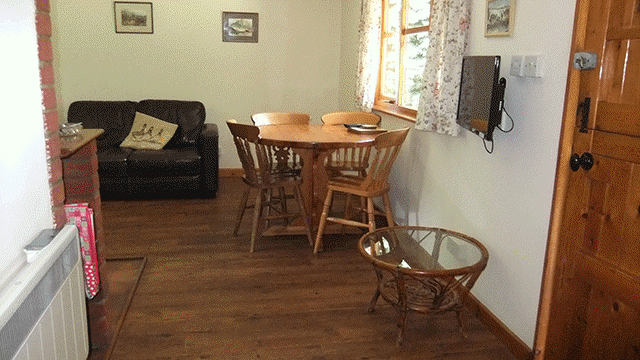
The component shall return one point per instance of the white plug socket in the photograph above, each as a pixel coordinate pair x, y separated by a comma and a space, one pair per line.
532, 66
516, 65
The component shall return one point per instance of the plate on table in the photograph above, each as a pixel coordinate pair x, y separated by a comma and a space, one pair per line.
362, 126
368, 131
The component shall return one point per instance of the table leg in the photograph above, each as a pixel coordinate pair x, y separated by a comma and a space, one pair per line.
314, 182
307, 182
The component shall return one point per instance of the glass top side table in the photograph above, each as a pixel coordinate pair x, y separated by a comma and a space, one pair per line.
428, 270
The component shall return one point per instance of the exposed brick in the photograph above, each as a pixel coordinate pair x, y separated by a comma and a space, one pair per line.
55, 169
99, 239
80, 166
59, 216
100, 329
45, 49
43, 24
43, 5
46, 75
49, 98
53, 146
82, 186
92, 199
51, 122
57, 193
86, 151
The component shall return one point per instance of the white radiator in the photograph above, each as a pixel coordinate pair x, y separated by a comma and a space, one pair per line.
43, 309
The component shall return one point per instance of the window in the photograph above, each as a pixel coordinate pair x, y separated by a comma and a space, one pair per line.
404, 40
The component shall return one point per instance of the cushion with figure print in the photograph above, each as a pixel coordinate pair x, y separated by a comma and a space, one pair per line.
149, 133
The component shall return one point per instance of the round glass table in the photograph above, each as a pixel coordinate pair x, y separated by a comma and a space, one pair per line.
428, 270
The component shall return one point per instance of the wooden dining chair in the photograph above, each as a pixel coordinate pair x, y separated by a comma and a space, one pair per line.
280, 118
374, 184
353, 159
259, 175
284, 160
351, 117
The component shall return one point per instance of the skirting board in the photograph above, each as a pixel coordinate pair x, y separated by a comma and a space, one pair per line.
518, 348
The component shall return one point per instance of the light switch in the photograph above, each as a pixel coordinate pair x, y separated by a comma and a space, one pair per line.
532, 66
516, 65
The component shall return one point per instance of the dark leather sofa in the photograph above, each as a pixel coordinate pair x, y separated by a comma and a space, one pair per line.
187, 166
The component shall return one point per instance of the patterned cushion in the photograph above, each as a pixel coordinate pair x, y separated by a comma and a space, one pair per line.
149, 133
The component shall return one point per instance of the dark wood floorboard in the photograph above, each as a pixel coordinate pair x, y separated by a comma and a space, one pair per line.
202, 295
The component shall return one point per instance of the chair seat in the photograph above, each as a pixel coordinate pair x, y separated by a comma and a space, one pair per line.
353, 185
368, 184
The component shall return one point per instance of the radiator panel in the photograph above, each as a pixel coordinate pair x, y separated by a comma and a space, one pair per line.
50, 321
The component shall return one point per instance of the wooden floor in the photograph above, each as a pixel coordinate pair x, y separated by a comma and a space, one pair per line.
202, 295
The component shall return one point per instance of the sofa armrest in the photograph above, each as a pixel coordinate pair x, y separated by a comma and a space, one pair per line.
208, 149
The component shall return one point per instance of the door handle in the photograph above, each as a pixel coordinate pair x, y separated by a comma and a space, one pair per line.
584, 161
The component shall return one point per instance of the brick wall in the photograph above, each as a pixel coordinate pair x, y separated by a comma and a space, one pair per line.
49, 110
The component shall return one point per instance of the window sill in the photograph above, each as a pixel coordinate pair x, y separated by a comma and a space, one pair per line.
408, 115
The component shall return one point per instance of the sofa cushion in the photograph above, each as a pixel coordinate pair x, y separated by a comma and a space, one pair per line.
115, 117
188, 115
166, 162
148, 132
112, 162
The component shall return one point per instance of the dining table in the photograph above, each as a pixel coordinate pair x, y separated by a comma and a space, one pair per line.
313, 143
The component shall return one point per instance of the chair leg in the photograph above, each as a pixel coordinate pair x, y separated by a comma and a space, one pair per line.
363, 206
241, 209
371, 213
323, 221
303, 212
257, 212
387, 209
283, 200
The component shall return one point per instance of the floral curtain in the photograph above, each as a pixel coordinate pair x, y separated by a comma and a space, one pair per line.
438, 103
369, 31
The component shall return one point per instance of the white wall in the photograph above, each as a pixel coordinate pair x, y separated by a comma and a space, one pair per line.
305, 61
25, 203
502, 199
294, 67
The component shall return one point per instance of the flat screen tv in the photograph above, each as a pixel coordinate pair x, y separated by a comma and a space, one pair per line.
481, 95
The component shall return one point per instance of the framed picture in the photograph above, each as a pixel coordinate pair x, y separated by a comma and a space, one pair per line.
240, 27
500, 18
133, 17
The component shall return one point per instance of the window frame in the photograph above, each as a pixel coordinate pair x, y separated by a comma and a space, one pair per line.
383, 103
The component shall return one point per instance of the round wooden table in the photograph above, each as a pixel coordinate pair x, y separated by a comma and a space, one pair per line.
313, 143
428, 270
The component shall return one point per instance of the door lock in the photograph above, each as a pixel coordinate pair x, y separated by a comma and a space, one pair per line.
583, 111
585, 60
585, 161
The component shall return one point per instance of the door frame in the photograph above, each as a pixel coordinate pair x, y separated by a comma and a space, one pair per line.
561, 181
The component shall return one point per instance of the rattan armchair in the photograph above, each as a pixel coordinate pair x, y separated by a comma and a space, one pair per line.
258, 174
373, 184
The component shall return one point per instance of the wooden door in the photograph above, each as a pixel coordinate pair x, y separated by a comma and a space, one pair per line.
590, 305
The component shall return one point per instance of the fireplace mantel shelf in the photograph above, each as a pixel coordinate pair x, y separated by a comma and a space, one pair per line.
69, 145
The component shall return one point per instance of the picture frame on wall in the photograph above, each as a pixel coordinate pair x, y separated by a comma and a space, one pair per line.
239, 27
133, 17
500, 18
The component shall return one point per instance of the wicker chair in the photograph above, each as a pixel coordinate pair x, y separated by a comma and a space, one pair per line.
258, 174
374, 184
